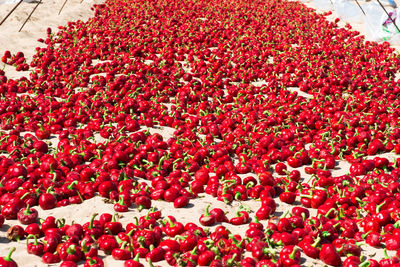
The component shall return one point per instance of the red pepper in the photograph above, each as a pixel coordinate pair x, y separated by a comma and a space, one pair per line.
50, 258
49, 222
242, 217
107, 243
120, 206
219, 215
36, 248
309, 247
93, 262
170, 244
287, 197
156, 254
284, 225
393, 243
89, 248
93, 227
147, 221
261, 251
70, 252
205, 258
15, 232
113, 226
133, 263
122, 253
266, 178
188, 242
104, 218
7, 261
145, 238
294, 161
373, 239
281, 168
302, 212
143, 202
240, 193
388, 261
47, 201
181, 202
351, 261
27, 215
173, 228
329, 255
254, 232
290, 255
207, 219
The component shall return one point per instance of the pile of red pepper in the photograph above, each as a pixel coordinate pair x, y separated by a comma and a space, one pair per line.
223, 78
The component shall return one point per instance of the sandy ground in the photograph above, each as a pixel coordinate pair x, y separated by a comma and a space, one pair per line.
45, 16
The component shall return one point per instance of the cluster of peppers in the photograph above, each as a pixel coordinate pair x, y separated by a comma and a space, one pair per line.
222, 84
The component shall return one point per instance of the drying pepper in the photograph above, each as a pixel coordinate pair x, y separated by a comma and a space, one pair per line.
50, 258
309, 246
35, 248
147, 221
7, 261
207, 219
260, 250
93, 262
219, 215
156, 254
133, 262
122, 253
16, 232
70, 252
242, 217
113, 226
188, 242
120, 206
329, 255
290, 255
173, 228
27, 215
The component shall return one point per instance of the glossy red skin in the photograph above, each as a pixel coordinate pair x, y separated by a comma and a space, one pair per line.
310, 250
132, 263
68, 264
8, 261
47, 201
70, 252
288, 197
219, 215
242, 218
189, 242
121, 254
329, 255
51, 243
181, 202
10, 211
207, 220
173, 228
170, 244
49, 258
290, 255
107, 244
36, 249
156, 254
113, 227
